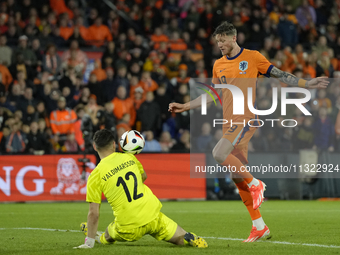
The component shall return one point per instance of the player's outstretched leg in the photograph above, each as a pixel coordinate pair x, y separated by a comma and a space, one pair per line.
101, 237
222, 154
259, 229
181, 237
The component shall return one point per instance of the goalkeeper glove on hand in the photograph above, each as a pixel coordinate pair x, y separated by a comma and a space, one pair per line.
89, 243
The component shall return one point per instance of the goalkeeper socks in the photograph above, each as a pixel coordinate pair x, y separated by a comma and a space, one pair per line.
259, 223
240, 171
248, 200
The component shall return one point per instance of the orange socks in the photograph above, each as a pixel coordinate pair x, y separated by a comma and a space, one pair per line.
248, 200
240, 171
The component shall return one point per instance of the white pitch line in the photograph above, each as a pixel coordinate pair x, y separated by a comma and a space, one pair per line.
208, 237
45, 229
277, 242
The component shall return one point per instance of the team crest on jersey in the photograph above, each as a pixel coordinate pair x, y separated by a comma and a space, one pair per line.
243, 65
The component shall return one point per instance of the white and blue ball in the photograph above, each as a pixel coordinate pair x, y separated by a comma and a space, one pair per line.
132, 142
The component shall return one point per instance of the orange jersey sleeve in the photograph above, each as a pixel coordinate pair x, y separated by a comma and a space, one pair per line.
263, 65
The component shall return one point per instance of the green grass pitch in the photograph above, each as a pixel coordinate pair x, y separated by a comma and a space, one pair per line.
298, 227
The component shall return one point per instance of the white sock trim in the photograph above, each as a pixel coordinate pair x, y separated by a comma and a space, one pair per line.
259, 223
254, 181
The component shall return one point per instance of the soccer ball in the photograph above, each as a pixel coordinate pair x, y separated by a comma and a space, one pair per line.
132, 142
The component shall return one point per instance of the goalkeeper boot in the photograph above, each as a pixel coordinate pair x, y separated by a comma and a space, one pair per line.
194, 240
83, 227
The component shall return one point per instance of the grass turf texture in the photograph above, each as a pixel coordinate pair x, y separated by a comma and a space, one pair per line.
311, 222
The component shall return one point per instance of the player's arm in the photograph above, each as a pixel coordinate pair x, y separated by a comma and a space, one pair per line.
144, 177
92, 220
177, 108
94, 198
92, 226
290, 79
141, 169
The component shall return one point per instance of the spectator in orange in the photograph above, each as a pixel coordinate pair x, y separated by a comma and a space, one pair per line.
323, 101
138, 97
63, 119
148, 84
99, 71
98, 33
121, 129
60, 7
176, 43
6, 76
182, 77
124, 105
65, 30
134, 84
158, 37
77, 128
300, 54
310, 65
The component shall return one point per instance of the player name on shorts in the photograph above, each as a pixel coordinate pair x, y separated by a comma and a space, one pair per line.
118, 168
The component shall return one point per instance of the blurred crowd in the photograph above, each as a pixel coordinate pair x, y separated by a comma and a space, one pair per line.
150, 51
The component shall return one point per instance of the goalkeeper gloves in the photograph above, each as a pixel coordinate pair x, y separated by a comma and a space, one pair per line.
89, 243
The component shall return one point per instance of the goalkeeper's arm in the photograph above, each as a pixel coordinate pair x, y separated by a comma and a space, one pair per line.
92, 226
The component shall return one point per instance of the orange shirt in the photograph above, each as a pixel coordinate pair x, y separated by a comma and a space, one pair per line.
309, 70
247, 64
66, 32
100, 73
133, 88
83, 32
178, 45
79, 135
157, 39
62, 122
60, 7
122, 107
6, 76
325, 102
98, 35
149, 86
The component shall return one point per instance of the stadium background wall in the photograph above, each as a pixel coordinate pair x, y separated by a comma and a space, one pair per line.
58, 177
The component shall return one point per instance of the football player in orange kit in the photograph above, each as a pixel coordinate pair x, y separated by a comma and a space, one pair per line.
232, 148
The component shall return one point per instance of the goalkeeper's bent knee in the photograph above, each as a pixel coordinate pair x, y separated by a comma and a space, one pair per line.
104, 241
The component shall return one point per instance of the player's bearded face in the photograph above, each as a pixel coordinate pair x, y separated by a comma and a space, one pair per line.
225, 43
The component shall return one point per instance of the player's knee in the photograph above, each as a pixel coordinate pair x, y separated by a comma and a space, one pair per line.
219, 156
108, 238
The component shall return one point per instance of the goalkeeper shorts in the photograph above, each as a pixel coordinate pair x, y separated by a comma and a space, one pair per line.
161, 228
